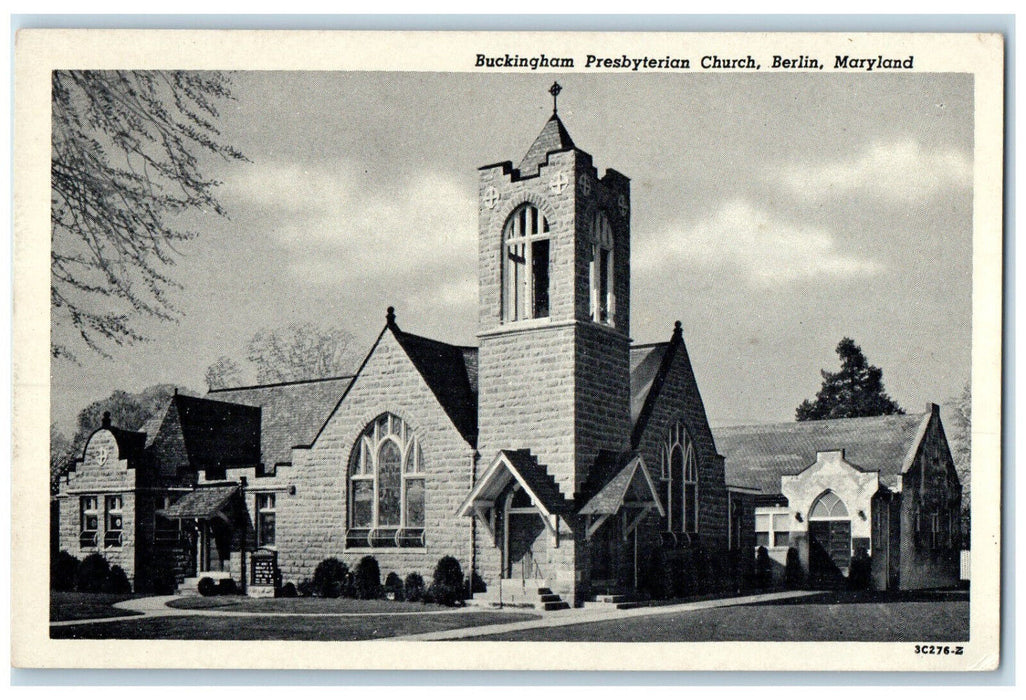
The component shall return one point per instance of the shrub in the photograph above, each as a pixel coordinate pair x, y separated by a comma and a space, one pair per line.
860, 574
477, 584
63, 571
763, 568
92, 572
116, 581
305, 588
394, 586
288, 591
793, 574
207, 586
328, 572
368, 578
447, 584
227, 586
157, 576
413, 587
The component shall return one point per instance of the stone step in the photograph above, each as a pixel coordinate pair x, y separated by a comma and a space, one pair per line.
555, 605
610, 598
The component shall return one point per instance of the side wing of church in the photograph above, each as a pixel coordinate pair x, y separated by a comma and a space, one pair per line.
555, 461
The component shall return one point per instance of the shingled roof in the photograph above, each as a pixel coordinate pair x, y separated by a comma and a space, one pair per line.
218, 434
758, 455
291, 412
450, 371
553, 138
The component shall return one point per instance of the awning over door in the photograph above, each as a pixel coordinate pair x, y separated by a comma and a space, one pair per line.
629, 486
202, 504
520, 466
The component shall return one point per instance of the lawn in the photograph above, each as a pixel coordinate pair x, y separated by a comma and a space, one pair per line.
278, 628
303, 606
833, 617
72, 605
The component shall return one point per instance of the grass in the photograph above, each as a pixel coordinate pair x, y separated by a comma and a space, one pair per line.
832, 617
278, 628
72, 605
302, 605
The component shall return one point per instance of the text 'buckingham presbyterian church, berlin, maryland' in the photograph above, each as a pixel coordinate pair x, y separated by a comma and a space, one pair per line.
556, 461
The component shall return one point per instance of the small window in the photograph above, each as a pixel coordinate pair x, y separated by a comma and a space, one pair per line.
525, 268
114, 523
603, 298
680, 470
265, 519
164, 529
772, 529
89, 508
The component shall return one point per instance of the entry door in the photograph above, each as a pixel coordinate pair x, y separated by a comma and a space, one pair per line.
829, 547
216, 546
527, 538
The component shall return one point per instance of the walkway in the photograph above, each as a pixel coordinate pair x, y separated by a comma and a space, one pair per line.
156, 606
577, 616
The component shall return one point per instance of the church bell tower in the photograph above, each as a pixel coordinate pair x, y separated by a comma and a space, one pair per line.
554, 315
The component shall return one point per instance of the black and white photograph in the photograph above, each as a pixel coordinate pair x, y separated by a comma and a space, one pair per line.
673, 339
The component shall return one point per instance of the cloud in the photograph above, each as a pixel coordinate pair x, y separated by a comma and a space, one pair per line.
752, 243
338, 225
899, 172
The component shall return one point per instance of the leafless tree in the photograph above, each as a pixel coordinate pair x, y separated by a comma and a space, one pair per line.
299, 351
125, 163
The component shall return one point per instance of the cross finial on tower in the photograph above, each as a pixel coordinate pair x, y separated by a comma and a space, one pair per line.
554, 91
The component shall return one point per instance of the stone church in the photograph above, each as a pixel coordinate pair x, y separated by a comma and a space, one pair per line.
555, 459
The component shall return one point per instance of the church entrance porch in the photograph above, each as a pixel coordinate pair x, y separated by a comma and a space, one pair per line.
829, 541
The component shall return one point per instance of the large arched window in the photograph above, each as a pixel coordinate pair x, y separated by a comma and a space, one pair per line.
680, 476
603, 295
525, 265
828, 506
386, 487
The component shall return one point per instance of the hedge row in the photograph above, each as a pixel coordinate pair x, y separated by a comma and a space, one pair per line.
333, 579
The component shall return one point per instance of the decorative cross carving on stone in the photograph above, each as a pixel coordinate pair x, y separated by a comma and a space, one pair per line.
559, 183
586, 186
491, 197
622, 203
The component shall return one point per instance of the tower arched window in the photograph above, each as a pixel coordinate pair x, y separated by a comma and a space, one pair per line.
525, 265
603, 292
386, 487
680, 476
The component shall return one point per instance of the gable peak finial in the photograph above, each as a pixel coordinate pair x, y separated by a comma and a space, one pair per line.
554, 91
106, 419
390, 315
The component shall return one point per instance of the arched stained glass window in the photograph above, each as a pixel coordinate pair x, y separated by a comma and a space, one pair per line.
828, 506
680, 474
386, 487
525, 265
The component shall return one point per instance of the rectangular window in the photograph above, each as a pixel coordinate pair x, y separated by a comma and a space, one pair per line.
605, 273
89, 510
114, 522
265, 519
164, 530
772, 529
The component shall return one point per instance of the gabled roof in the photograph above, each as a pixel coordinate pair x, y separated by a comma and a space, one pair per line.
218, 434
758, 455
522, 466
205, 502
450, 371
291, 412
553, 137
614, 477
649, 366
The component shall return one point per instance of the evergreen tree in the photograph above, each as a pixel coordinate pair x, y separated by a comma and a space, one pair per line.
856, 391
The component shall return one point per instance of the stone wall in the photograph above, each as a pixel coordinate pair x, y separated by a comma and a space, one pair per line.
312, 522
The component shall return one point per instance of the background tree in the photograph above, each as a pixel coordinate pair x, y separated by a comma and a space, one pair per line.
125, 162
299, 351
961, 444
127, 411
857, 390
223, 374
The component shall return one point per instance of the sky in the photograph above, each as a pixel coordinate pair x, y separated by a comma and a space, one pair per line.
772, 214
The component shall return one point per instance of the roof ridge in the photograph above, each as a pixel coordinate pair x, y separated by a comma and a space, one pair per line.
274, 384
797, 423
